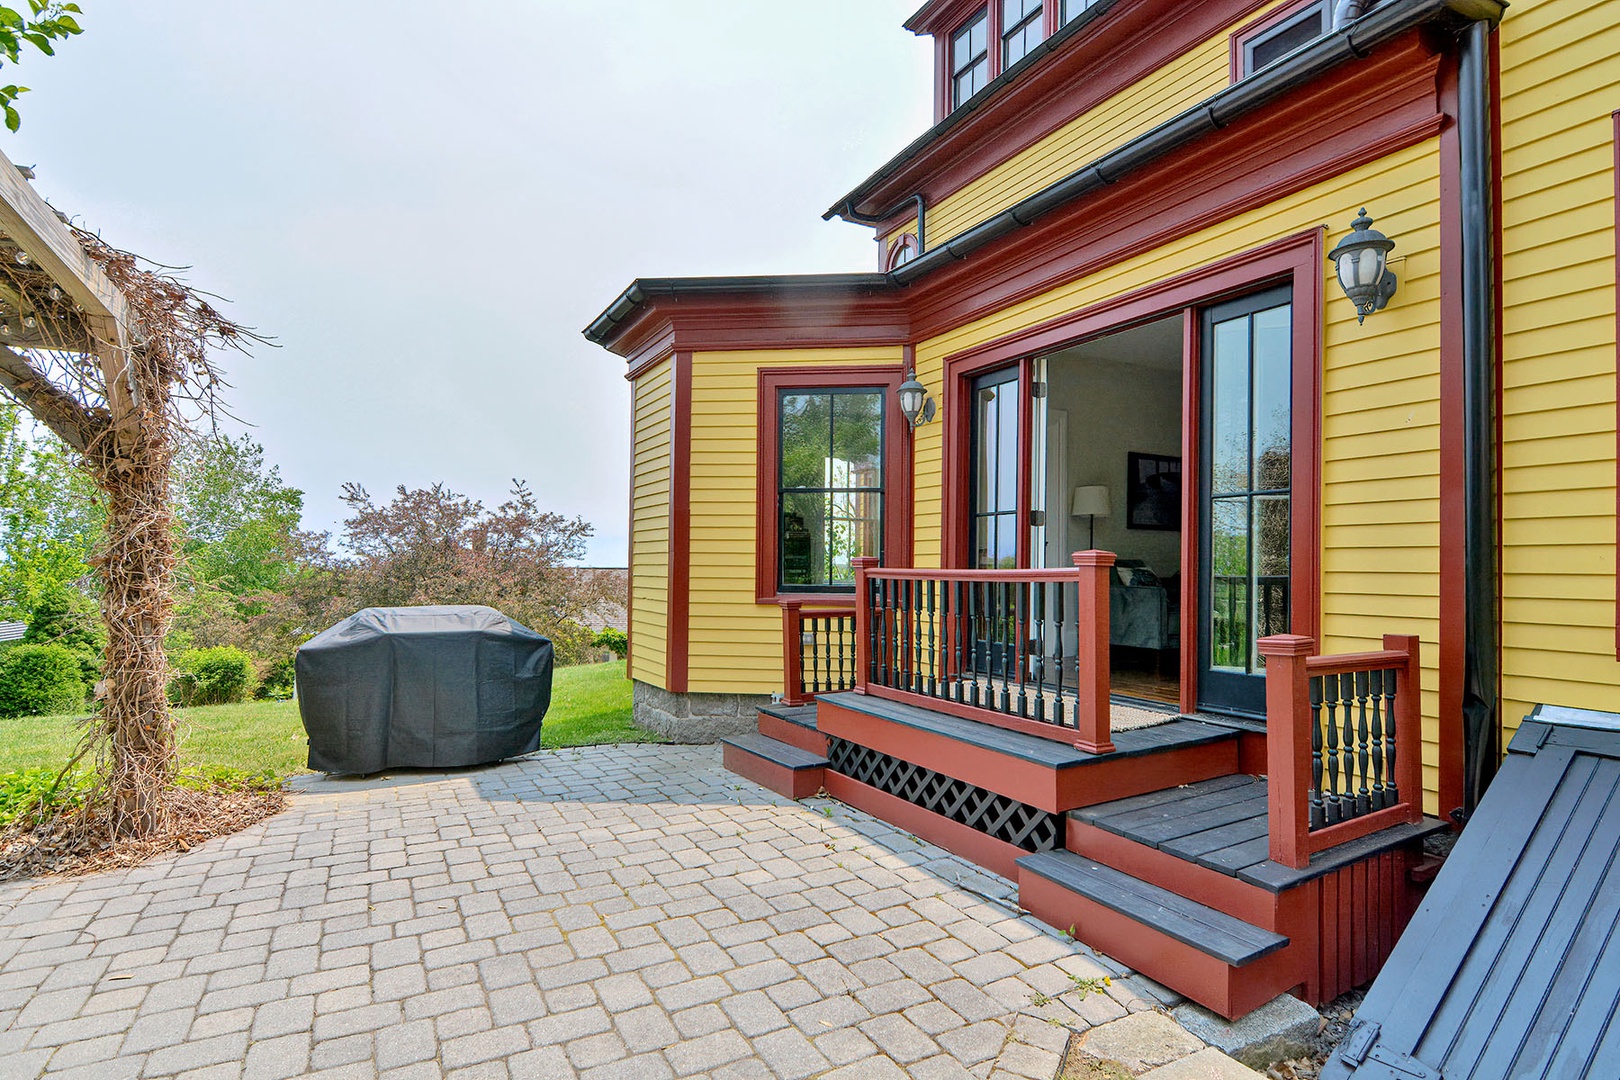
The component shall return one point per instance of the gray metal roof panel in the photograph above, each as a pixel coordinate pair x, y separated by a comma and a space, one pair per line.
1511, 967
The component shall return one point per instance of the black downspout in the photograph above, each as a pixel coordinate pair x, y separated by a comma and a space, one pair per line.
1481, 726
849, 214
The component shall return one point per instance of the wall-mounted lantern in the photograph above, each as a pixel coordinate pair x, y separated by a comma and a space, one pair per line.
915, 403
1362, 262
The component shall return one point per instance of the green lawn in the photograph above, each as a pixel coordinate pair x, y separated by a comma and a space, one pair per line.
590, 705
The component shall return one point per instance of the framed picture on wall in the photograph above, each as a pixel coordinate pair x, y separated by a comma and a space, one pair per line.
1153, 492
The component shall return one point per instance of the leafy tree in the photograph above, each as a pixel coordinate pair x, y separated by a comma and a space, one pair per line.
45, 22
50, 517
66, 616
613, 640
434, 546
236, 516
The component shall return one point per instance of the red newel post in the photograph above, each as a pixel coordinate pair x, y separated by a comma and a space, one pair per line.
863, 620
1409, 725
1092, 713
1288, 746
792, 653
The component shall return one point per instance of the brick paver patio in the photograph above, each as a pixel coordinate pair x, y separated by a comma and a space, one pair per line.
614, 912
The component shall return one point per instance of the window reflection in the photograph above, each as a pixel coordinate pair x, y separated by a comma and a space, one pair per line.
830, 492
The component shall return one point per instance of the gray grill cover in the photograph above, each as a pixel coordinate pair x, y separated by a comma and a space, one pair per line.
422, 686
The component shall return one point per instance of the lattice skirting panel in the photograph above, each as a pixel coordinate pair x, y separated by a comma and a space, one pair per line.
995, 815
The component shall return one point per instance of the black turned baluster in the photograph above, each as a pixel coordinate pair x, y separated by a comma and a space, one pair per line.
1390, 691
1003, 617
1038, 595
1380, 797
888, 632
956, 640
1057, 656
1333, 811
974, 638
1318, 818
1347, 744
1021, 642
933, 657
815, 653
1363, 757
907, 638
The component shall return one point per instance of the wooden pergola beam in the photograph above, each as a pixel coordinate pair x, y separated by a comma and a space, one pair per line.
51, 245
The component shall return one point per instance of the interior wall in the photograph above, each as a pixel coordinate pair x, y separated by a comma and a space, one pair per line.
1114, 409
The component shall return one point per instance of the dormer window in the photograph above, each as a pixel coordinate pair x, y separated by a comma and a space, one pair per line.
1023, 26
1073, 8
970, 58
1284, 36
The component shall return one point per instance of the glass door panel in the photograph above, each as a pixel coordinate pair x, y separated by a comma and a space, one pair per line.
993, 517
1245, 494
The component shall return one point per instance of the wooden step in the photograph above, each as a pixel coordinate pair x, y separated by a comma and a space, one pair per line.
784, 769
1221, 962
794, 725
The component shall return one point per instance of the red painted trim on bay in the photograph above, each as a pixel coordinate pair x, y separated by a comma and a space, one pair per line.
897, 495
1452, 539
679, 600
1495, 58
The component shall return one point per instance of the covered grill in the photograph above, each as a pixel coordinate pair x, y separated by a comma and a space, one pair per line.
422, 686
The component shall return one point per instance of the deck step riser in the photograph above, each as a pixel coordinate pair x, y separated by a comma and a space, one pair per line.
1225, 894
805, 738
1054, 789
1205, 979
793, 783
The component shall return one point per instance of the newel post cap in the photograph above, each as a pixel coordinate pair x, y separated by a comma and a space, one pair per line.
1286, 645
1094, 558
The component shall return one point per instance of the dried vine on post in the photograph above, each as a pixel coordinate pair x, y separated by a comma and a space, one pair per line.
118, 368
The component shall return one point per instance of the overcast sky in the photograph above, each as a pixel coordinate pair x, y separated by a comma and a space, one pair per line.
425, 203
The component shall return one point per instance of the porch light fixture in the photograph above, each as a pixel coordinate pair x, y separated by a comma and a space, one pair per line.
915, 404
1090, 503
1362, 262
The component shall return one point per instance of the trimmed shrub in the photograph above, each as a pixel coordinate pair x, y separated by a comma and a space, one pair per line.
218, 676
612, 640
276, 680
40, 680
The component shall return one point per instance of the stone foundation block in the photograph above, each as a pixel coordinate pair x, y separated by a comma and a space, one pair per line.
695, 718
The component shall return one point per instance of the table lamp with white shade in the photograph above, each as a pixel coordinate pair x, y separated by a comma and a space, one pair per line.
1090, 503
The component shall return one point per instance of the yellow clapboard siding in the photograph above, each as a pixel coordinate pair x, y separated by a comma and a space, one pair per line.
1560, 80
735, 644
649, 524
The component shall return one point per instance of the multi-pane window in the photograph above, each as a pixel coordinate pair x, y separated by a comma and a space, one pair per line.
1288, 35
830, 484
970, 59
993, 514
1073, 8
1023, 26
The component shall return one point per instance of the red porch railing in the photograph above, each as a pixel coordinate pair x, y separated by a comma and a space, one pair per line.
1021, 649
818, 649
1343, 743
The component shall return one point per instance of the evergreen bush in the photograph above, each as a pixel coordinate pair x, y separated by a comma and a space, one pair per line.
218, 676
40, 680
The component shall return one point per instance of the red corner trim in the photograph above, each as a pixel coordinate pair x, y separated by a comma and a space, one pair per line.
1616, 119
896, 464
